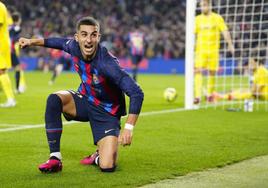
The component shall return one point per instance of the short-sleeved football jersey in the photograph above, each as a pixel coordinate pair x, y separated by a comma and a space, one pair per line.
5, 56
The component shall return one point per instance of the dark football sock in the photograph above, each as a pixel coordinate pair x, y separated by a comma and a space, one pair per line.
17, 78
53, 122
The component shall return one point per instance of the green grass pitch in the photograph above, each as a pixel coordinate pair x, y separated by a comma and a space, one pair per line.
164, 145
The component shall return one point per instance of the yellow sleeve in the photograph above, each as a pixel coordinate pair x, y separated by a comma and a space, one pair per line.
221, 24
255, 77
259, 77
2, 16
9, 20
195, 25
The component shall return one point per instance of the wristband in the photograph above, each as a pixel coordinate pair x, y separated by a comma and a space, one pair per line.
129, 126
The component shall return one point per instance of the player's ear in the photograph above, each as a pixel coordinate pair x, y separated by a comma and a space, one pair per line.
76, 37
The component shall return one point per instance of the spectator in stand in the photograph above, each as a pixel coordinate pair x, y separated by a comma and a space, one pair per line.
157, 16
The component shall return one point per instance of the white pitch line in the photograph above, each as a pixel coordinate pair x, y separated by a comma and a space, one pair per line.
19, 127
14, 127
163, 111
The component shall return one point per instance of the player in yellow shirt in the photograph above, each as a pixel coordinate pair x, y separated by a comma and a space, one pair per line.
208, 29
5, 57
260, 82
259, 87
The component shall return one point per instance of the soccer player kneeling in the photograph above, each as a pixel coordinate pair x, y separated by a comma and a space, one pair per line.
98, 100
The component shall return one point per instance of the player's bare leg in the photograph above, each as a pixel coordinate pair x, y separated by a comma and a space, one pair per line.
105, 156
108, 147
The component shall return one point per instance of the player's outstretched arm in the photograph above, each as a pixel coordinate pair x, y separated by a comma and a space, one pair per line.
228, 39
55, 43
25, 42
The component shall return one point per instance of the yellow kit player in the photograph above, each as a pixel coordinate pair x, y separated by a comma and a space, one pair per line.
208, 29
5, 57
259, 87
260, 81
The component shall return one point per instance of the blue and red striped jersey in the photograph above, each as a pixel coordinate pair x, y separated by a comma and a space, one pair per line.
136, 39
14, 32
103, 81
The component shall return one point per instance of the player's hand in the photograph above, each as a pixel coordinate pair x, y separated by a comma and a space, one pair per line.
232, 49
24, 42
125, 137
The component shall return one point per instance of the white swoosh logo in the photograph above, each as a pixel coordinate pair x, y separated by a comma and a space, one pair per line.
106, 131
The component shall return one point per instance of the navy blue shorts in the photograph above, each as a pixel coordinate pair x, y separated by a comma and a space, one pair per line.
102, 123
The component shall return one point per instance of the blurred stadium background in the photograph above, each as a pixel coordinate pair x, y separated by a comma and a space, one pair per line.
162, 22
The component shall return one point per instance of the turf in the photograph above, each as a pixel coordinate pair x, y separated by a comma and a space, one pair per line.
164, 145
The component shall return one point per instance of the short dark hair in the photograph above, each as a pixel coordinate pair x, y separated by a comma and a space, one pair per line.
259, 56
11, 9
87, 21
16, 16
260, 60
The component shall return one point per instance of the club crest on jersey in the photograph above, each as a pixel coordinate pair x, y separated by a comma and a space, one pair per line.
95, 79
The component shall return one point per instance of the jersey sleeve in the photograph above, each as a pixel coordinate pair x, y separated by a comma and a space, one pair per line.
221, 24
2, 14
61, 44
259, 77
15, 33
114, 72
196, 25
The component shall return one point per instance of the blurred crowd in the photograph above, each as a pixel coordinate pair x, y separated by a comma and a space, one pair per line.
162, 21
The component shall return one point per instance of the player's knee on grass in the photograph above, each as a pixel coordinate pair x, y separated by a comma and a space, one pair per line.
105, 164
108, 153
112, 169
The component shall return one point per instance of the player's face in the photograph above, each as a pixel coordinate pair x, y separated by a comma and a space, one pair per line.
252, 64
88, 37
205, 7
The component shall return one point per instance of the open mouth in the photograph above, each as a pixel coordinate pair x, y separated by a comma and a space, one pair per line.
88, 47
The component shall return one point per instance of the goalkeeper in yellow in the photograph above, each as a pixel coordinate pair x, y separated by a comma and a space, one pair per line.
208, 29
260, 80
5, 57
259, 87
